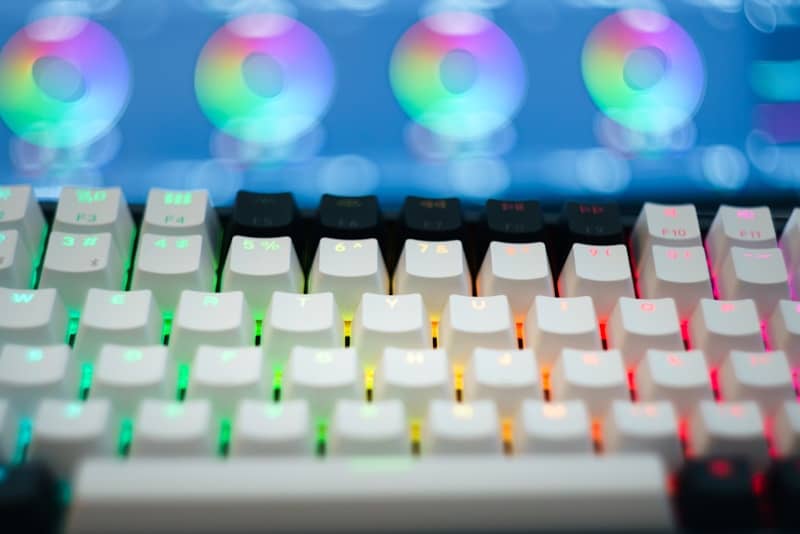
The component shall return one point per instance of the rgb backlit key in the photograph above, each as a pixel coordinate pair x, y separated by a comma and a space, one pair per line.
217, 319
15, 261
263, 428
225, 374
595, 377
674, 225
603, 273
32, 317
322, 377
30, 373
348, 268
507, 376
121, 317
264, 215
462, 428
553, 427
312, 320
349, 217
166, 265
469, 322
20, 211
718, 327
680, 273
431, 219
734, 226
382, 321
181, 213
376, 428
127, 374
597, 223
681, 377
415, 377
787, 429
730, 429
637, 325
557, 323
166, 428
784, 330
758, 274
75, 263
434, 269
517, 221
260, 266
94, 211
764, 377
518, 270
644, 427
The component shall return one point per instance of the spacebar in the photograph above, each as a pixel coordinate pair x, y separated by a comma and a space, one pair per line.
369, 495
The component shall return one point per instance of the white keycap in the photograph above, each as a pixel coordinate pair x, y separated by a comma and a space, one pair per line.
310, 320
376, 428
20, 211
519, 271
790, 243
596, 377
600, 272
471, 322
32, 317
644, 427
66, 432
505, 376
223, 375
758, 274
31, 373
787, 429
259, 267
8, 432
667, 225
638, 325
217, 319
383, 321
348, 268
462, 428
322, 377
730, 429
15, 261
94, 211
173, 429
553, 428
718, 327
681, 377
181, 213
784, 330
557, 323
680, 273
764, 377
120, 317
748, 227
127, 374
167, 265
264, 428
553, 493
75, 263
435, 269
416, 377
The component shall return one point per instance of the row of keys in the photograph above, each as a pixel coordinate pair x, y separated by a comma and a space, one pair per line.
416, 377
37, 317
64, 432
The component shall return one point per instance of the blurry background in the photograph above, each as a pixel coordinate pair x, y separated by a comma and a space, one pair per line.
743, 137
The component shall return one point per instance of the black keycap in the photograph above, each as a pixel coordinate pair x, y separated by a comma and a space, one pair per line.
264, 215
783, 483
514, 221
349, 217
431, 219
28, 499
593, 223
717, 493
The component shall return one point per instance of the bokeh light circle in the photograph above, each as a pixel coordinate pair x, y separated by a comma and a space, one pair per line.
264, 78
64, 82
458, 75
644, 71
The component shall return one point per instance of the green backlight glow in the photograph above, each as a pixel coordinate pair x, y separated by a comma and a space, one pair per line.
24, 432
322, 436
72, 326
224, 437
37, 259
125, 437
87, 372
126, 272
184, 371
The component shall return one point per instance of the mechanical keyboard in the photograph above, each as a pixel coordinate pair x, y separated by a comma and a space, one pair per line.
173, 367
